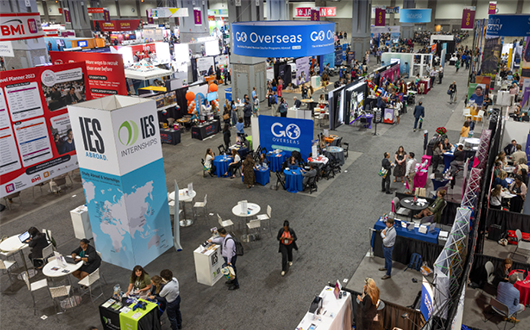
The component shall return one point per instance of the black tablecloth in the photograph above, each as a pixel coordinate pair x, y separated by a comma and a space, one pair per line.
170, 136
509, 220
205, 130
449, 213
405, 247
110, 318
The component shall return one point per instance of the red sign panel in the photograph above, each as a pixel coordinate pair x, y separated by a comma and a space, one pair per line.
492, 8
468, 19
380, 16
328, 11
118, 25
302, 12
95, 10
315, 15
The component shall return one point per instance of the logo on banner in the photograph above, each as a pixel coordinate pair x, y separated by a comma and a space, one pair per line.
292, 131
48, 77
10, 188
132, 132
92, 140
241, 36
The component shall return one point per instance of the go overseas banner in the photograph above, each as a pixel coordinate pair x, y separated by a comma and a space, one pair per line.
288, 134
508, 26
283, 38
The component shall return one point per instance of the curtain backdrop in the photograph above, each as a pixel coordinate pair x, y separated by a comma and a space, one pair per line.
509, 220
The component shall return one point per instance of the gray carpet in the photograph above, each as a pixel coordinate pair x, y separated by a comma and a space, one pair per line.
332, 232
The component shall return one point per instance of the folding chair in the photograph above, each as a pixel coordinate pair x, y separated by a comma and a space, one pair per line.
221, 149
7, 265
202, 205
32, 287
280, 182
311, 184
345, 146
58, 292
224, 223
254, 224
267, 217
89, 281
500, 309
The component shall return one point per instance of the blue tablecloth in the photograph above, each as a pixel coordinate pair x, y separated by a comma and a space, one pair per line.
293, 182
448, 158
262, 176
221, 163
438, 184
276, 160
415, 234
242, 151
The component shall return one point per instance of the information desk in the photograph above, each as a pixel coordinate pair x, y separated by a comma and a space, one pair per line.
336, 313
114, 317
205, 130
293, 180
170, 136
408, 243
221, 164
208, 261
276, 160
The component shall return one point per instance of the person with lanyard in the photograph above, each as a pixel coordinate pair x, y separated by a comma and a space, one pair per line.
387, 165
287, 238
228, 251
170, 292
389, 239
91, 260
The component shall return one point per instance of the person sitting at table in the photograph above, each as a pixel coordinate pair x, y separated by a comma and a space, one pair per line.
508, 295
91, 260
464, 132
517, 188
458, 162
37, 242
194, 116
208, 159
437, 155
293, 163
446, 145
497, 170
501, 179
240, 127
519, 155
511, 148
140, 282
501, 157
311, 173
435, 208
496, 198
502, 273
249, 178
156, 286
487, 101
297, 102
368, 302
263, 161
236, 163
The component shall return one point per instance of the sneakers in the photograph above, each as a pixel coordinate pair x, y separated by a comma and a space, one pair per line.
386, 277
283, 273
512, 320
414, 130
290, 263
382, 269
233, 287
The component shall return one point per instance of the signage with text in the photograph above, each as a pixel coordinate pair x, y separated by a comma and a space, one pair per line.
415, 15
380, 16
95, 10
17, 26
323, 11
468, 18
508, 26
288, 134
118, 25
492, 8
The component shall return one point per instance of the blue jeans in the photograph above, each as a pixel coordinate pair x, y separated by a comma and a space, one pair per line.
234, 259
173, 313
416, 122
387, 252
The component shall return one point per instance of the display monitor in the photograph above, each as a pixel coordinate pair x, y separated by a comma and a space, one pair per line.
82, 43
24, 237
211, 48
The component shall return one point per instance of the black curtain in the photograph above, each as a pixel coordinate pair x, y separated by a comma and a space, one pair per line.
194, 70
478, 272
449, 213
182, 102
390, 316
405, 247
509, 220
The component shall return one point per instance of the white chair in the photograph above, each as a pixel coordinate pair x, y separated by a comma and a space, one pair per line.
224, 223
254, 224
202, 205
58, 292
89, 281
489, 271
32, 287
480, 115
267, 217
49, 237
467, 113
7, 265
46, 252
103, 277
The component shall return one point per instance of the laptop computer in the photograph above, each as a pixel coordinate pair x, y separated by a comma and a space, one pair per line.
24, 237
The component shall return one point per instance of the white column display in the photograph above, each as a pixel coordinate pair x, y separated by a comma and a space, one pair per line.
120, 158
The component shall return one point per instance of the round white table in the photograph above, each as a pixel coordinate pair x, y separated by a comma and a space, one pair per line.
13, 244
55, 270
472, 141
184, 197
253, 209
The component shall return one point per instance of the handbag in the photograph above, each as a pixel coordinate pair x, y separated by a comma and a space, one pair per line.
383, 172
448, 92
226, 116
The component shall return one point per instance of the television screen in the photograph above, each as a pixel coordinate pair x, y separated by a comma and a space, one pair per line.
82, 43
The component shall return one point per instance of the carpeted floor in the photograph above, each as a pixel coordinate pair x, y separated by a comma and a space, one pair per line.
331, 230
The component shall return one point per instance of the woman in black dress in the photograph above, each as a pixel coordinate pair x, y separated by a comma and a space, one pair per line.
401, 164
226, 136
37, 242
88, 254
368, 305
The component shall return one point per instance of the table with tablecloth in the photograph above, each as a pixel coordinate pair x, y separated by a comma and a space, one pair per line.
523, 287
337, 316
241, 150
368, 117
262, 175
336, 153
448, 158
436, 184
293, 180
407, 243
276, 160
420, 179
112, 319
221, 164
330, 138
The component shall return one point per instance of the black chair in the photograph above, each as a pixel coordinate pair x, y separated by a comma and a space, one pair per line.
311, 184
327, 171
345, 146
339, 143
221, 149
279, 181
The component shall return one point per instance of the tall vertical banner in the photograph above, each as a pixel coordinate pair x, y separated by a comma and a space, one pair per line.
492, 8
105, 71
67, 17
468, 18
122, 170
302, 70
491, 56
149, 17
315, 15
197, 17
36, 140
380, 16
106, 15
288, 134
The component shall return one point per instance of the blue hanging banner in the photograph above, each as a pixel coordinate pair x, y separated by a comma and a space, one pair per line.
338, 57
287, 134
415, 15
283, 38
508, 26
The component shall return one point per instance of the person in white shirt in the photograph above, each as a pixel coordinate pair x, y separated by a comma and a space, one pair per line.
232, 167
208, 159
440, 74
172, 294
433, 76
411, 172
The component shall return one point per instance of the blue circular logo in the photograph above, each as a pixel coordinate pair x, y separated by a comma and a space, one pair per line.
292, 131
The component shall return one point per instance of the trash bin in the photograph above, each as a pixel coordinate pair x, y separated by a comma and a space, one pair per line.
228, 94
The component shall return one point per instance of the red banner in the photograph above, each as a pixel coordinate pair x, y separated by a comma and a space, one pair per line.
197, 17
106, 75
302, 12
380, 16
106, 15
150, 19
315, 15
67, 17
35, 130
328, 11
95, 10
118, 25
492, 8
468, 19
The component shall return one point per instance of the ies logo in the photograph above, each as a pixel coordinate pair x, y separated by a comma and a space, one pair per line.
131, 131
92, 139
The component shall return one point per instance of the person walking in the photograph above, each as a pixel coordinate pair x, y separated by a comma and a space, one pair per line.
172, 295
283, 107
228, 251
457, 64
287, 238
387, 165
452, 92
247, 112
389, 239
411, 172
419, 112
440, 74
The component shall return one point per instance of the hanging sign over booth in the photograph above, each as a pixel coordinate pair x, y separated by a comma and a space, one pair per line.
17, 26
288, 134
508, 26
283, 38
415, 15
468, 18
118, 25
380, 16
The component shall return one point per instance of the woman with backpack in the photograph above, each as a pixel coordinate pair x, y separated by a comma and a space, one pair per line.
283, 107
287, 238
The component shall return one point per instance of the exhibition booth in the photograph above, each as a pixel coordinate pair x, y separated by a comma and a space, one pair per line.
410, 63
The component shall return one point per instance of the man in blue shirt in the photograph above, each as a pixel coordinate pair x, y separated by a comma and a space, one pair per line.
478, 96
419, 112
509, 295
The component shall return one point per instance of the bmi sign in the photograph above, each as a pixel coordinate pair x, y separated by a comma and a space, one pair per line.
17, 26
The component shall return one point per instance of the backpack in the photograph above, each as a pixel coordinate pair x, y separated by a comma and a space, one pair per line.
283, 108
240, 251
